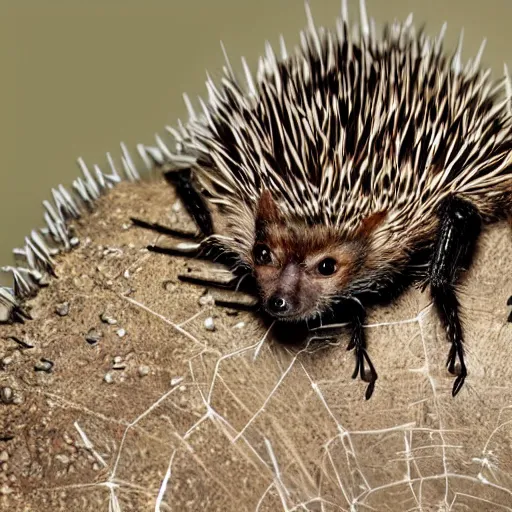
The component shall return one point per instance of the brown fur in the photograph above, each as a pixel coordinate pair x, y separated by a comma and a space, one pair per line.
296, 251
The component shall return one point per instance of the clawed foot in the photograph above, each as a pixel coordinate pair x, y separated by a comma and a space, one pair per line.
462, 373
191, 248
364, 368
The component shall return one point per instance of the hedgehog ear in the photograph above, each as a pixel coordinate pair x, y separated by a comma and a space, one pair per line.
370, 223
268, 210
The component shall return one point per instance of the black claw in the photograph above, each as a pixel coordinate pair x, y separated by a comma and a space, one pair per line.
227, 285
450, 361
461, 373
362, 357
355, 373
172, 251
369, 390
164, 230
459, 381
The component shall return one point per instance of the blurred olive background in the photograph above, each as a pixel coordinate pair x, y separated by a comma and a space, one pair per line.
79, 77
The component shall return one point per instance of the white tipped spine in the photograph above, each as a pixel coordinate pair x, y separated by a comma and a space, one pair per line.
478, 58
365, 27
248, 78
508, 88
457, 58
282, 47
190, 109
344, 11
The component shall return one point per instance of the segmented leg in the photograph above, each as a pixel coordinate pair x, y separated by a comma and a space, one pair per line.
164, 230
458, 233
364, 366
192, 199
195, 205
201, 245
509, 303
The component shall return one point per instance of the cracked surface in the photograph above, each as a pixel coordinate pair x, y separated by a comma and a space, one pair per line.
168, 410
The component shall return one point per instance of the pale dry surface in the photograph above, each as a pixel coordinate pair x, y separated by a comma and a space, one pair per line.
129, 391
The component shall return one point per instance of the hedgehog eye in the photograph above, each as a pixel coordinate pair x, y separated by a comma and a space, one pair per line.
327, 267
262, 254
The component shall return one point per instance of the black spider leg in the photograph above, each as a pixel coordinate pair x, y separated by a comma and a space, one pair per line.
357, 342
204, 246
191, 199
164, 230
196, 207
459, 228
194, 203
509, 303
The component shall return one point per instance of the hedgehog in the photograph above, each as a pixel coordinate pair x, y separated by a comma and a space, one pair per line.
350, 169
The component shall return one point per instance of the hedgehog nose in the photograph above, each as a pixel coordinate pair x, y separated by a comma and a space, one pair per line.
277, 304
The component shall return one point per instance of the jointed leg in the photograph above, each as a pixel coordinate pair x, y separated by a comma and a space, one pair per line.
459, 229
195, 205
203, 245
191, 198
164, 230
193, 202
358, 343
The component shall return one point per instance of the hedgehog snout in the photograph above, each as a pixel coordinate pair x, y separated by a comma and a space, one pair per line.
283, 297
278, 305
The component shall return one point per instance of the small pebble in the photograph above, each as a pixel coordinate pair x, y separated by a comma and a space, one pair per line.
93, 336
126, 226
62, 458
176, 207
4, 456
209, 324
121, 333
6, 361
176, 380
169, 285
206, 300
108, 378
144, 370
44, 365
6, 395
5, 490
239, 325
118, 363
126, 274
106, 319
62, 309
74, 241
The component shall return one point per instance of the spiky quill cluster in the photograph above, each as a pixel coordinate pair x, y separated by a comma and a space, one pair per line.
351, 124
346, 125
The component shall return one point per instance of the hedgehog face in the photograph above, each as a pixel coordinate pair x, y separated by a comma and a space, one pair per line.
299, 271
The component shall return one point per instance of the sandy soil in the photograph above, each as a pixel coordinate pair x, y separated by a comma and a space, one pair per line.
130, 391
